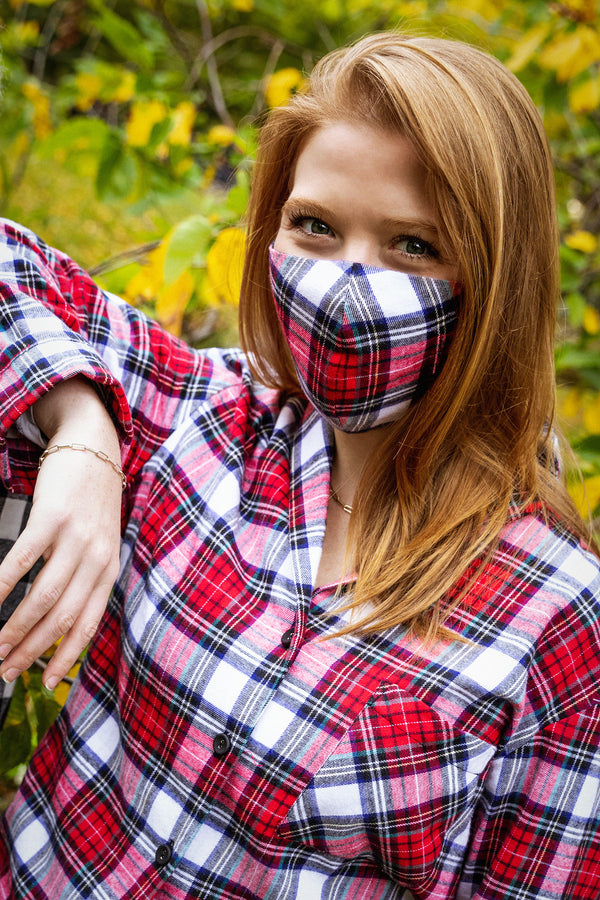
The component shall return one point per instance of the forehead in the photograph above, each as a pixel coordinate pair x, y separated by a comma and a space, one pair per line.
364, 164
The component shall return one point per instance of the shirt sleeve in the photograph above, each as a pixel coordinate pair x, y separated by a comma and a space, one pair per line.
56, 323
536, 831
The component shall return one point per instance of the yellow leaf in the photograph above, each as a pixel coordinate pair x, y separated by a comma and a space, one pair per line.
141, 287
571, 404
147, 282
89, 88
586, 495
125, 91
591, 320
243, 5
527, 46
582, 240
184, 166
555, 123
222, 135
143, 116
487, 9
61, 692
27, 32
281, 85
172, 300
208, 177
224, 265
41, 109
585, 10
591, 415
21, 144
184, 116
412, 8
571, 53
586, 96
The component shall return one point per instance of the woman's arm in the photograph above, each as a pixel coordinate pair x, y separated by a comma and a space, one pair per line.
74, 525
55, 323
537, 832
57, 326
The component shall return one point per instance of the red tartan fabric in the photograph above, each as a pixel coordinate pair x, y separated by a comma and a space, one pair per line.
365, 341
214, 744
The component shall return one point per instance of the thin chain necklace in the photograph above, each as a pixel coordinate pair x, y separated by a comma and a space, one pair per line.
334, 496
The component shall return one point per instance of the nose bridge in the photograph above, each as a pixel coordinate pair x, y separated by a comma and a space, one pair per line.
362, 248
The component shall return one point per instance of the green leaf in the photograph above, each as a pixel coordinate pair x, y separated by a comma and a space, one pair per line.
237, 199
117, 172
575, 303
17, 712
158, 134
15, 745
75, 136
123, 36
576, 358
187, 244
46, 710
590, 443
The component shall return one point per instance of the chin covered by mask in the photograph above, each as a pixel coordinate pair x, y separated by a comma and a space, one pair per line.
366, 342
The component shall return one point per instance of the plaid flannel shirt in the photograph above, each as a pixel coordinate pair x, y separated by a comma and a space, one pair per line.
215, 745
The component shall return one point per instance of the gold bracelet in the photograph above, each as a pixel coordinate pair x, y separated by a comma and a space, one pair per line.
99, 453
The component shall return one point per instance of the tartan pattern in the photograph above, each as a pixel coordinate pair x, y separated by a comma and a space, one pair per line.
365, 341
364, 768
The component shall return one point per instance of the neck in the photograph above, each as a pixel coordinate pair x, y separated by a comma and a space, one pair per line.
352, 450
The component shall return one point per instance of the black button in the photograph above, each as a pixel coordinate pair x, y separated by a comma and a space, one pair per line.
163, 854
221, 745
286, 638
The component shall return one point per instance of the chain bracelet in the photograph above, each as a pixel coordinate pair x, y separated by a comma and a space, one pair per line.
82, 447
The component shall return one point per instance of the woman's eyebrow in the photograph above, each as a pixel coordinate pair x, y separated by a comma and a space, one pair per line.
307, 206
410, 224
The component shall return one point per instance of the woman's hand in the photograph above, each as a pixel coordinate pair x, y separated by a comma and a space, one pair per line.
74, 525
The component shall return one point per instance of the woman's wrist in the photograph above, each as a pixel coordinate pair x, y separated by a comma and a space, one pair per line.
72, 411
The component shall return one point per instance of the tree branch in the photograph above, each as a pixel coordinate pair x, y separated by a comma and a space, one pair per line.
211, 67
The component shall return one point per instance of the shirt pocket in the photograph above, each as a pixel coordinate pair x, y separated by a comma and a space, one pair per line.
400, 785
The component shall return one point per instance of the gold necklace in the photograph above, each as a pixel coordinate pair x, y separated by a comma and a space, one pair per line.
334, 496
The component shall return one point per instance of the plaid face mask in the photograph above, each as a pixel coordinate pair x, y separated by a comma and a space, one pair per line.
366, 342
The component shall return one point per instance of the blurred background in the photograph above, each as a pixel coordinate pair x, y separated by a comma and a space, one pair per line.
127, 133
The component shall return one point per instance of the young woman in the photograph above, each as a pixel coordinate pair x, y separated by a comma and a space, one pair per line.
353, 646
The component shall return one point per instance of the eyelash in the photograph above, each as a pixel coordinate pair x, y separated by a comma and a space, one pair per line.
297, 217
430, 251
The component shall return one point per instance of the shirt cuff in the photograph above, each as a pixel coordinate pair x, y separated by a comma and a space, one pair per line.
27, 428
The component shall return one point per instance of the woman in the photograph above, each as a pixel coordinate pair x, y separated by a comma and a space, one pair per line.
352, 650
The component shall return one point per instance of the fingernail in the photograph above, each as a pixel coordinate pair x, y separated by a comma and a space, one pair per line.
9, 676
4, 651
50, 682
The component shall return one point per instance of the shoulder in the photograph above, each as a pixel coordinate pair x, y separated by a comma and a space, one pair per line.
17, 241
534, 612
538, 564
30, 268
551, 563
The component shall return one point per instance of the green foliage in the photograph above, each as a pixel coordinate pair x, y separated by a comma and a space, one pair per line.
127, 136
32, 711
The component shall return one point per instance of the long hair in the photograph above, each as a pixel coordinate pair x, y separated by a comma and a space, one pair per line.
432, 501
